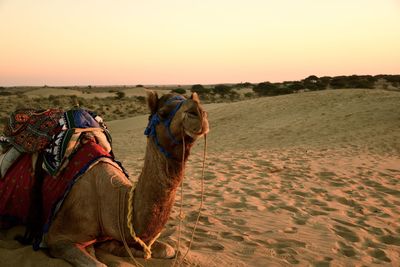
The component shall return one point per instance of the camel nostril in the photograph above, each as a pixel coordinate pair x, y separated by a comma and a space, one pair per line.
195, 129
193, 113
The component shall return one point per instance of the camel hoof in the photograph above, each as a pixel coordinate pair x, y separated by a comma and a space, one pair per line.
161, 250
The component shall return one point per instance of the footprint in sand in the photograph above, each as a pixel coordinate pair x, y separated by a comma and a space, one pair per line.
205, 220
286, 248
326, 262
378, 254
346, 233
290, 230
390, 239
300, 219
345, 250
231, 236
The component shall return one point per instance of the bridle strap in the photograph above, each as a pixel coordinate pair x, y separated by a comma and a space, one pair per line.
155, 120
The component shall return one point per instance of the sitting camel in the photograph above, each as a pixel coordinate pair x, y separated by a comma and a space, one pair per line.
106, 210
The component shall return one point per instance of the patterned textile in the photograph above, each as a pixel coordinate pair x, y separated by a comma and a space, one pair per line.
30, 130
67, 140
16, 186
53, 132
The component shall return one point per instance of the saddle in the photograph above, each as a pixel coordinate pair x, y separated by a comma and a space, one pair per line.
46, 141
53, 133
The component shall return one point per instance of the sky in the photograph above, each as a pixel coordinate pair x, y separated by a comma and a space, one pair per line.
128, 42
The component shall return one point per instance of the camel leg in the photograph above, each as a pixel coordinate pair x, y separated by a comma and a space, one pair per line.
114, 261
159, 250
73, 253
118, 249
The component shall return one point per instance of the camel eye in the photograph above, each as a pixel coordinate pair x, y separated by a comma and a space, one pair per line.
193, 113
163, 113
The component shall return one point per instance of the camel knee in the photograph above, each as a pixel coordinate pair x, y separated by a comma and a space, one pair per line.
116, 248
74, 254
161, 250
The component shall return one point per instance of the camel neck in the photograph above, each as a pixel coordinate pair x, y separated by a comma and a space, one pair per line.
155, 192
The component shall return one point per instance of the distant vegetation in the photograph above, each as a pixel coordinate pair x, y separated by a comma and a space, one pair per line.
180, 91
314, 83
117, 105
311, 83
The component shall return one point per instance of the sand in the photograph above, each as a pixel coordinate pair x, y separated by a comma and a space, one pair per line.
308, 179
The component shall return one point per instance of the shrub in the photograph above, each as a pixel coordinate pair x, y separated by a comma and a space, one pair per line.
74, 100
294, 86
139, 85
179, 91
200, 89
365, 81
141, 99
244, 85
338, 82
120, 94
265, 88
233, 95
249, 94
222, 89
82, 102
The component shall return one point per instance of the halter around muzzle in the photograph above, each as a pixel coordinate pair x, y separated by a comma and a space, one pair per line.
155, 119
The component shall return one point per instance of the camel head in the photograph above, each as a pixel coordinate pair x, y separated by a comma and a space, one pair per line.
174, 118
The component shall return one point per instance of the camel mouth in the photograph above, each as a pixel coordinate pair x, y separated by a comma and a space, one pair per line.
195, 135
191, 126
192, 134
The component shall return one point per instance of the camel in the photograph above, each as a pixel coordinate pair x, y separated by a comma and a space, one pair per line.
102, 210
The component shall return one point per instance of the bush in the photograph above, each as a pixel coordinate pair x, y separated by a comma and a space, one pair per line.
74, 100
82, 102
139, 85
233, 95
120, 94
141, 99
244, 85
249, 94
365, 81
55, 101
200, 89
294, 86
222, 89
265, 88
338, 82
179, 91
353, 81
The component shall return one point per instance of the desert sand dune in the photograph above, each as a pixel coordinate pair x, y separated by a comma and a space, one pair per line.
308, 179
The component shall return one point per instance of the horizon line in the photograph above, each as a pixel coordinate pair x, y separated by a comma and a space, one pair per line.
178, 84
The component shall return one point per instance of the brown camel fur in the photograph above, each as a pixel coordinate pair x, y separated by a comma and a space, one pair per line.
95, 210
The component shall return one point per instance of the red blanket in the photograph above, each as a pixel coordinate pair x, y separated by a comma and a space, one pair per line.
16, 185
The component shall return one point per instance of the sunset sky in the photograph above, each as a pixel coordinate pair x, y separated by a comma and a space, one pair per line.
123, 42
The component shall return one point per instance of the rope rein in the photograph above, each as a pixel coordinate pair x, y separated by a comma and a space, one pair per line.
121, 232
146, 248
201, 199
181, 204
200, 207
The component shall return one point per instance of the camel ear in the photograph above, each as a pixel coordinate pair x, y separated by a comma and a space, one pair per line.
152, 100
195, 97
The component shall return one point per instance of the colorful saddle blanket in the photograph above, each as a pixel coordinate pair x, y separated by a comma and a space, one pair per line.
30, 130
54, 132
15, 188
74, 123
